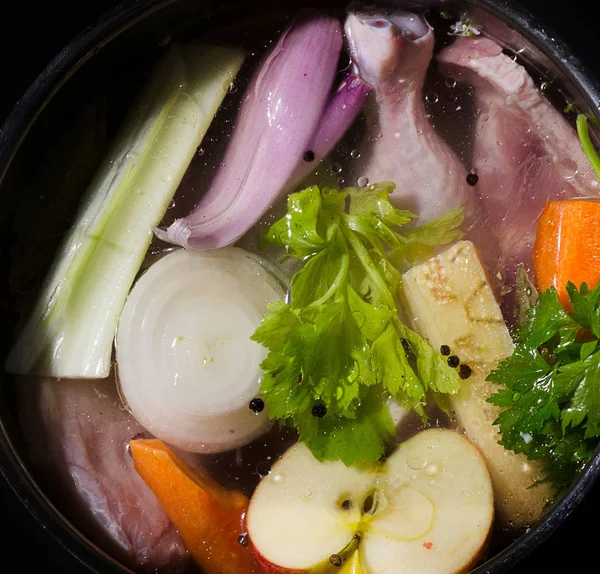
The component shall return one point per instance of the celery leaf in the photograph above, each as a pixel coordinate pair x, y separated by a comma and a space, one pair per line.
337, 350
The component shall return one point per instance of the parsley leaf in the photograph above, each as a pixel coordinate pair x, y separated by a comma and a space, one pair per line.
546, 319
338, 347
551, 385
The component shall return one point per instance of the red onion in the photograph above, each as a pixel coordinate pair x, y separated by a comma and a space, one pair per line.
341, 111
286, 111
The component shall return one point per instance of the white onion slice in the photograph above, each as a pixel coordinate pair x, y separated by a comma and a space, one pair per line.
187, 367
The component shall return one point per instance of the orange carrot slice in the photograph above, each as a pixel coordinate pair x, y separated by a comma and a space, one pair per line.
209, 517
567, 246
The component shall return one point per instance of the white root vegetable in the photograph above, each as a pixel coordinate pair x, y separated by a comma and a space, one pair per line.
452, 304
186, 365
71, 329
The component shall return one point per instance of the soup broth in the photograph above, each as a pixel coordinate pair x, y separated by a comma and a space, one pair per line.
77, 432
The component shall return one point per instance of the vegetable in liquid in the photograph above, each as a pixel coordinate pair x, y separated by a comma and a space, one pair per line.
245, 467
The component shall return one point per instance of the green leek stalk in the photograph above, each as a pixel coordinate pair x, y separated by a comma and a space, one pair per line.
71, 329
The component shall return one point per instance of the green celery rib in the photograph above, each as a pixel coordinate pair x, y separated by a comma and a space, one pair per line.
71, 329
586, 143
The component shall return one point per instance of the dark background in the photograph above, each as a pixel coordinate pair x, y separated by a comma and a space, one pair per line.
30, 35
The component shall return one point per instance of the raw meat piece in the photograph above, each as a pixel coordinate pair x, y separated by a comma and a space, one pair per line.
525, 152
78, 433
392, 54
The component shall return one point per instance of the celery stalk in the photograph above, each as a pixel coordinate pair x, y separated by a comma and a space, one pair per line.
71, 329
587, 145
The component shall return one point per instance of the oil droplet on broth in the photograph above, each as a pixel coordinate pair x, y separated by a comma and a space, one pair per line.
432, 443
567, 168
450, 82
263, 469
308, 494
416, 462
432, 98
362, 181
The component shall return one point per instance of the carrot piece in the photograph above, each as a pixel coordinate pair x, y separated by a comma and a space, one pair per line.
209, 517
567, 246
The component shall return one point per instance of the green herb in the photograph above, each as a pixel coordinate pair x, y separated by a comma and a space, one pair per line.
418, 245
465, 27
552, 385
586, 143
339, 342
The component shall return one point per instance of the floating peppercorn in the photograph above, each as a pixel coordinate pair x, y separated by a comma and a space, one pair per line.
445, 350
453, 361
472, 179
309, 155
319, 411
257, 405
464, 372
243, 539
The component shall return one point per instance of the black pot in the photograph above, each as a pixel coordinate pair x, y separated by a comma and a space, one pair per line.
95, 58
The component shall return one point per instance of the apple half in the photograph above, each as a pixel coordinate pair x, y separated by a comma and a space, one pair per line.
427, 509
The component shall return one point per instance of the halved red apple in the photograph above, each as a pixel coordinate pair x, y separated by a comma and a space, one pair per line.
428, 509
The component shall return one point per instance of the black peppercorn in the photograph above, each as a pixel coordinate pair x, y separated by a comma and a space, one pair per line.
472, 179
243, 539
319, 411
309, 155
445, 350
464, 372
453, 361
257, 405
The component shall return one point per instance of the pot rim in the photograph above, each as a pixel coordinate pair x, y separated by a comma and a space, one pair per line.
48, 82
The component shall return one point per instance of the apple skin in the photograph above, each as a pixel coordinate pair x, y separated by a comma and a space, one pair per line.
351, 567
267, 567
